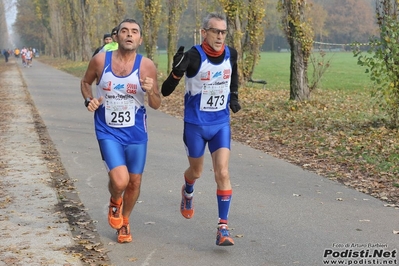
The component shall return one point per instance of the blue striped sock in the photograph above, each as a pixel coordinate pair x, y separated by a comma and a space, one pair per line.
224, 200
189, 185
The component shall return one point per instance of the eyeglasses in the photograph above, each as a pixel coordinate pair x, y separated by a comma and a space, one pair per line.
114, 33
217, 31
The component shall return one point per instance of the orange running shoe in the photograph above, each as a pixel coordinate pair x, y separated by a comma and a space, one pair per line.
115, 219
124, 235
186, 206
223, 236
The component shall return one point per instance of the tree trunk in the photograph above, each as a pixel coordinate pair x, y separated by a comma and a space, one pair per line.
299, 89
86, 43
256, 35
235, 23
300, 37
3, 27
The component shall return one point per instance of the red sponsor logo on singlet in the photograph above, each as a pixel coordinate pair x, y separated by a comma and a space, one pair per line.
131, 88
108, 88
205, 75
226, 74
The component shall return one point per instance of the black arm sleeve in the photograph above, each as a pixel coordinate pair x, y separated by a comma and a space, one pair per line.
234, 71
169, 85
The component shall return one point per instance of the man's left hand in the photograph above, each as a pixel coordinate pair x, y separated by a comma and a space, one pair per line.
234, 104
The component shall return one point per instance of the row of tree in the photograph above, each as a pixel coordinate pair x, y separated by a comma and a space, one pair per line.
3, 28
336, 22
73, 28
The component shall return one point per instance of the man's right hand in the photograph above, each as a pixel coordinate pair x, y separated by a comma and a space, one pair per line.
180, 62
94, 104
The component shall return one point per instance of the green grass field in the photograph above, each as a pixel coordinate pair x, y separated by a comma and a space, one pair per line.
343, 73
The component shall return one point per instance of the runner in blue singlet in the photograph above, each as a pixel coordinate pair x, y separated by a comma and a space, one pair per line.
124, 78
211, 83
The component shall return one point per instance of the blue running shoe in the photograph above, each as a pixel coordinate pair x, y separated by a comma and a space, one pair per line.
223, 236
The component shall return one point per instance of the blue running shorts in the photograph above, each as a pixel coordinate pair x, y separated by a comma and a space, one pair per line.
115, 154
195, 138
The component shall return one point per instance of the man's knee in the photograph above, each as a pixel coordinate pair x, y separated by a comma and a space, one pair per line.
134, 181
222, 174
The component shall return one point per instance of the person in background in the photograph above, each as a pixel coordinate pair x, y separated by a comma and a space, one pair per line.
5, 54
16, 52
211, 87
28, 57
23, 55
112, 46
106, 39
124, 78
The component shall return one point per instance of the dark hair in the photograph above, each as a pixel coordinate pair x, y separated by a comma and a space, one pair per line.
129, 20
106, 35
219, 16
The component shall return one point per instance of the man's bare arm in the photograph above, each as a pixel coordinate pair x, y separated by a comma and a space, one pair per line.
149, 82
92, 74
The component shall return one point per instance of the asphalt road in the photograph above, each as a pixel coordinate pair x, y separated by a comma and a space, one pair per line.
280, 214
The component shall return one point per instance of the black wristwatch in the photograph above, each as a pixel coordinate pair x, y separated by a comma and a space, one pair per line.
87, 101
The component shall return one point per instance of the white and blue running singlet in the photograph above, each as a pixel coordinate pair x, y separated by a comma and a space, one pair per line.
207, 93
122, 114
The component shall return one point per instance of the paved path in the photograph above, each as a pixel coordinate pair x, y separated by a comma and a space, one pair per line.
32, 230
281, 214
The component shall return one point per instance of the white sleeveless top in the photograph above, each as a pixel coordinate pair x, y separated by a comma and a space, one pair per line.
122, 115
207, 93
